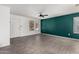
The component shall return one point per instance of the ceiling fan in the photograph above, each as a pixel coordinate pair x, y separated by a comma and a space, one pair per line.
42, 15
76, 4
42, 12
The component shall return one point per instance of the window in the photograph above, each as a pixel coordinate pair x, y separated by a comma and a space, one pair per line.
76, 25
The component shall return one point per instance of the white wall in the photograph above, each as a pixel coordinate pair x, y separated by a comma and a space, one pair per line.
4, 26
20, 26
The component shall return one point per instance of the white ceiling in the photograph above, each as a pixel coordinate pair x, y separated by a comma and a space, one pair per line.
33, 10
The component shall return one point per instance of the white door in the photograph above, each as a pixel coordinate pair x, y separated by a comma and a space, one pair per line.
15, 26
23, 26
17, 29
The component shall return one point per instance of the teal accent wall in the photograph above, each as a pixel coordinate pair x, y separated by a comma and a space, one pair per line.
61, 25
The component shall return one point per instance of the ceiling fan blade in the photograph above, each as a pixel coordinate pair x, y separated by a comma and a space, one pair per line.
46, 15
41, 15
76, 4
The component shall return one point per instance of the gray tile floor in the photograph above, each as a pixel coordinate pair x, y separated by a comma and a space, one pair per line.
41, 44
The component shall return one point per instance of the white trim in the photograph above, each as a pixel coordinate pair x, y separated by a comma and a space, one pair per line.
61, 37
26, 35
4, 45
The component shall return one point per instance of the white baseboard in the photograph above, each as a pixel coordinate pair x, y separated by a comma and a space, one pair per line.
60, 37
26, 35
4, 45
